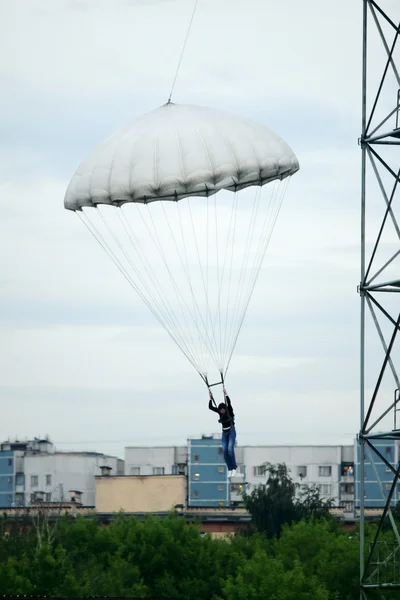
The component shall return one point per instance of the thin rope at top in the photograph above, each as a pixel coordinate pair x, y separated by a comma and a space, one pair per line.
183, 50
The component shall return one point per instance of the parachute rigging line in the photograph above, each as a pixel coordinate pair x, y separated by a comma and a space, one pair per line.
267, 238
194, 266
102, 242
182, 51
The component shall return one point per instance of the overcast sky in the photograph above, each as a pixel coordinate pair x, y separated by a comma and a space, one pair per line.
81, 358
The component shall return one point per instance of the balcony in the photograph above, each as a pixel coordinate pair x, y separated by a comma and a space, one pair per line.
236, 497
19, 464
237, 490
238, 478
347, 497
347, 479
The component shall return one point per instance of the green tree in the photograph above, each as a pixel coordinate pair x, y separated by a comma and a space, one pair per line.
273, 504
266, 577
311, 505
326, 552
313, 558
276, 503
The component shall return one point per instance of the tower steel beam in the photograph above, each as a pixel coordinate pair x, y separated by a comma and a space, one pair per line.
380, 160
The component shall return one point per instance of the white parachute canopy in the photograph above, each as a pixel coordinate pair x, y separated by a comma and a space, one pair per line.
178, 200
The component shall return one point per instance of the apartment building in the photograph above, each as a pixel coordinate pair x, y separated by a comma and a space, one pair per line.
34, 468
331, 468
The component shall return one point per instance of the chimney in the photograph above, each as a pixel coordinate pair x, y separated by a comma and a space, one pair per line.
105, 471
76, 496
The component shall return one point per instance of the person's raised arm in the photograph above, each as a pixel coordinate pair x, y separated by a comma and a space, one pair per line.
228, 402
210, 404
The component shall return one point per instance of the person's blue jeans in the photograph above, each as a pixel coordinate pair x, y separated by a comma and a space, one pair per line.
228, 446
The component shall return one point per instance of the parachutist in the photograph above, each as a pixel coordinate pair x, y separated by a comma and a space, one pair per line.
227, 420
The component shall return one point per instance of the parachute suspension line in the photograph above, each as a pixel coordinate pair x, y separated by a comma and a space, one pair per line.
205, 288
243, 301
186, 270
96, 234
182, 51
233, 218
208, 343
207, 275
156, 296
240, 285
218, 280
130, 262
268, 229
178, 294
265, 239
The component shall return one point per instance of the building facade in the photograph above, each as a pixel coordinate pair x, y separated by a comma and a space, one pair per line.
7, 478
56, 475
34, 469
12, 469
140, 493
330, 468
157, 460
207, 473
378, 477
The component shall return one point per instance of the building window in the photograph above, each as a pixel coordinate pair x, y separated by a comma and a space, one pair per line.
388, 486
195, 494
236, 487
48, 479
34, 480
48, 497
348, 471
348, 488
325, 471
221, 487
10, 462
220, 450
10, 480
196, 476
258, 471
302, 472
19, 479
388, 469
196, 458
158, 470
220, 504
221, 469
135, 470
325, 489
10, 497
19, 499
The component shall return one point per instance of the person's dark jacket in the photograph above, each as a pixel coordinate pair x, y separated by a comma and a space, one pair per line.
227, 419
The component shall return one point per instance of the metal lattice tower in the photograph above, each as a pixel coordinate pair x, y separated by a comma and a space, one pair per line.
379, 289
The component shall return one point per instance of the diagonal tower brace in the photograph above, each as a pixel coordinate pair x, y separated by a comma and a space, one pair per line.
379, 135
